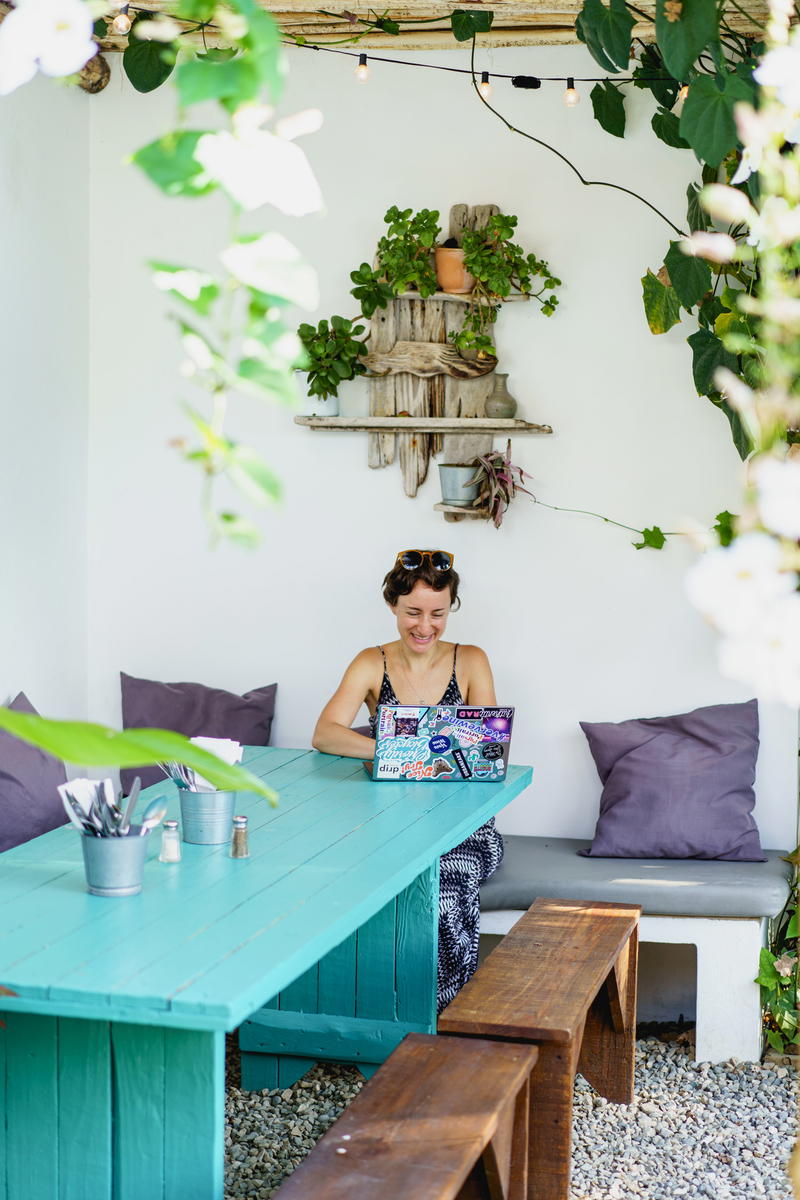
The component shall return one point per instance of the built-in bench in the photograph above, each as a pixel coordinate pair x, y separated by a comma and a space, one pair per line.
722, 908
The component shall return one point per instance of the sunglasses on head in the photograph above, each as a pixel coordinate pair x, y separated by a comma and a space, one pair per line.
412, 560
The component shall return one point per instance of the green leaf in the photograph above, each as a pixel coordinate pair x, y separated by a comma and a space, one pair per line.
609, 107
740, 436
776, 1041
791, 928
192, 287
707, 121
651, 74
200, 79
696, 215
606, 30
388, 26
147, 64
767, 975
100, 28
708, 353
466, 24
690, 277
98, 746
653, 538
661, 305
251, 475
724, 527
681, 41
170, 164
666, 127
238, 530
218, 54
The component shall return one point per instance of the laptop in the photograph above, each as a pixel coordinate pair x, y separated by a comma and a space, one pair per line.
442, 742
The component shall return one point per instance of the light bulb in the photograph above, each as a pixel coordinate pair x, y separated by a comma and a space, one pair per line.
684, 91
122, 22
362, 70
571, 96
484, 87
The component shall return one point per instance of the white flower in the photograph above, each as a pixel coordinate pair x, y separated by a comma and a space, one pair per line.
778, 224
309, 120
780, 69
726, 204
767, 656
53, 36
159, 29
188, 283
259, 168
718, 247
733, 586
233, 26
271, 264
778, 486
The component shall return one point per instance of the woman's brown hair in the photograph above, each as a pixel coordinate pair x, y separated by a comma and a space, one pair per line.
400, 582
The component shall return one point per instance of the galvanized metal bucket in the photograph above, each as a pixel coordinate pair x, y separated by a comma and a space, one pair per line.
114, 865
207, 817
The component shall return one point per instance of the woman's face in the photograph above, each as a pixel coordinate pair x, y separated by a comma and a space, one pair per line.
422, 617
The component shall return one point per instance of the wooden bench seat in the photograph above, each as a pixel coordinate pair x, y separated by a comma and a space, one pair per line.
442, 1119
564, 978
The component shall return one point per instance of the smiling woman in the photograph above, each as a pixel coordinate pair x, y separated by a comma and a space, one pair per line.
419, 668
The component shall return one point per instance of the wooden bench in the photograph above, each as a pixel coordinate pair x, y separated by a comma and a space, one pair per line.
721, 908
564, 978
442, 1119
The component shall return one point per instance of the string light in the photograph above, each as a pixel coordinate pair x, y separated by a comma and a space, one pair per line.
571, 96
484, 87
362, 70
122, 22
684, 91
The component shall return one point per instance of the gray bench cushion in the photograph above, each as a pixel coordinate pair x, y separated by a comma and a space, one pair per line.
551, 867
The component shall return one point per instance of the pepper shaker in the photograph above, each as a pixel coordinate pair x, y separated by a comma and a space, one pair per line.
239, 847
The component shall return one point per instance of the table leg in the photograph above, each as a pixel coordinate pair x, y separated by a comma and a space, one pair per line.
109, 1110
360, 1000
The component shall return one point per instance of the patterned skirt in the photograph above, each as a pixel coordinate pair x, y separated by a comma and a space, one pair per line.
461, 873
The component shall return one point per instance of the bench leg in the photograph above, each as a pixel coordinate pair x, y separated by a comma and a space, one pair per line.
550, 1141
609, 1042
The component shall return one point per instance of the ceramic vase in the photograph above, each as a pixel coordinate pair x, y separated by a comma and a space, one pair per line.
500, 403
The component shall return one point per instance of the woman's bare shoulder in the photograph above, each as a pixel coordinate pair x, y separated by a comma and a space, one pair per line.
472, 655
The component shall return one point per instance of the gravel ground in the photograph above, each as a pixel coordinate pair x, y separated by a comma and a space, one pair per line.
694, 1130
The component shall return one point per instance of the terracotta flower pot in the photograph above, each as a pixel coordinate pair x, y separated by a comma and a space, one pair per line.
450, 272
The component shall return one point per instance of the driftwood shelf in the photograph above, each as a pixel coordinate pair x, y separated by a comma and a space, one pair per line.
423, 424
455, 512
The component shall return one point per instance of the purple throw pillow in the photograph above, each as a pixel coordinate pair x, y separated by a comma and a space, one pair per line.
196, 711
29, 801
678, 787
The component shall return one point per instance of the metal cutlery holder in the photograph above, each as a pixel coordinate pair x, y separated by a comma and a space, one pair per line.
114, 865
207, 817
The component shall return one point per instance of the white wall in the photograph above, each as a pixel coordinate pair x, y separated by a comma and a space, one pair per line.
44, 348
578, 625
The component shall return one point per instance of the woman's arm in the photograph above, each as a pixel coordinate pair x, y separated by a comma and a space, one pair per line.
479, 682
333, 734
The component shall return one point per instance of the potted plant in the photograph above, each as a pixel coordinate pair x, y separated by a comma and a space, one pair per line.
334, 351
499, 267
498, 480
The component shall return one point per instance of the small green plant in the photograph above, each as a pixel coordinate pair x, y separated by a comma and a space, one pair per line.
498, 481
499, 267
334, 354
777, 977
405, 252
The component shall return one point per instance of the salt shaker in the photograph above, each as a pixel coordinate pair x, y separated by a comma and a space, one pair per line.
239, 847
170, 843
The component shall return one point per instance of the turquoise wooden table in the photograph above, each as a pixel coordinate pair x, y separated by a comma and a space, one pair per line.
112, 1051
